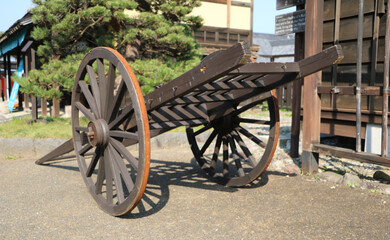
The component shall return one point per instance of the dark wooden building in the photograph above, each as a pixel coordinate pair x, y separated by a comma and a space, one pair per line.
341, 26
352, 96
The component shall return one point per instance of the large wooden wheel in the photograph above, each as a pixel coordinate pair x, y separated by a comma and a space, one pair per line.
240, 146
108, 111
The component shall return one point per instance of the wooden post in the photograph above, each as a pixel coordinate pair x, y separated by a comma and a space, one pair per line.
336, 40
26, 69
297, 95
374, 51
311, 101
251, 30
229, 7
5, 77
34, 106
359, 61
385, 104
9, 74
20, 95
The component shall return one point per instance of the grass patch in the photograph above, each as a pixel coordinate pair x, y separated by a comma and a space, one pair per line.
54, 128
62, 127
183, 129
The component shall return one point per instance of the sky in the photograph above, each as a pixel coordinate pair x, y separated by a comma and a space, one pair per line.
263, 14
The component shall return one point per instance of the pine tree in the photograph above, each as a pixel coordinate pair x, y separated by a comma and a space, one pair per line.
146, 30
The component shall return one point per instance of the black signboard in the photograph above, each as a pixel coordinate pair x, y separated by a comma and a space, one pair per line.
281, 4
290, 23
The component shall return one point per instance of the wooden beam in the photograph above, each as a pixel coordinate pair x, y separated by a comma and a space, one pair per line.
385, 103
347, 153
350, 90
233, 3
229, 6
207, 71
317, 61
266, 68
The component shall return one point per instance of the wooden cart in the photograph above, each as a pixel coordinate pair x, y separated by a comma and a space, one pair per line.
218, 100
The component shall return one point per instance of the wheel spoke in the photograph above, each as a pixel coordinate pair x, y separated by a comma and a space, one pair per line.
208, 141
245, 149
108, 172
202, 130
123, 134
252, 137
254, 121
216, 151
106, 88
252, 104
88, 96
122, 117
114, 107
92, 165
103, 88
85, 111
225, 157
85, 149
95, 87
130, 120
122, 168
117, 178
126, 154
100, 177
81, 129
236, 157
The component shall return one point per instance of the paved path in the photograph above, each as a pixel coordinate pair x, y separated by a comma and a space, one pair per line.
51, 202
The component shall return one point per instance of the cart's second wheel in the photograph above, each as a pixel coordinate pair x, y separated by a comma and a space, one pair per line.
238, 147
106, 99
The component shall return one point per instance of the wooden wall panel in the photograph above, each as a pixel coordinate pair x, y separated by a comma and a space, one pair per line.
348, 28
341, 128
349, 8
346, 75
349, 49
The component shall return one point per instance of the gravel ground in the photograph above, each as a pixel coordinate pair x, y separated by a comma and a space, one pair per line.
51, 202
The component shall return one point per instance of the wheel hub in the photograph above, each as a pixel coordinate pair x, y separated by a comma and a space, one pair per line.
225, 124
98, 133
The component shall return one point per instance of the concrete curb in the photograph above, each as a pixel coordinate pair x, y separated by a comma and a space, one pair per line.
19, 147
28, 147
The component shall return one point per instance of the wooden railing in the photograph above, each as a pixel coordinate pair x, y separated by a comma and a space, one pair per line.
284, 92
214, 38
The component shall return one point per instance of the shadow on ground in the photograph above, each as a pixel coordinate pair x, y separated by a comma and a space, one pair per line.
165, 173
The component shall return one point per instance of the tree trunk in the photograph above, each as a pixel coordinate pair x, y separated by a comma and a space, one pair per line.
34, 108
56, 108
26, 101
132, 51
43, 107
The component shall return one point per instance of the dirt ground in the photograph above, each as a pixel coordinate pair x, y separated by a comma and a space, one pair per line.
52, 202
